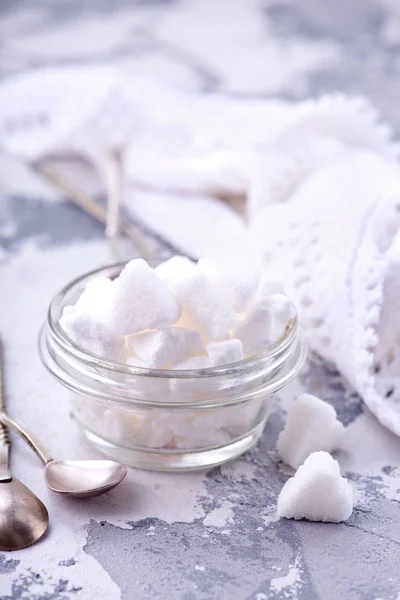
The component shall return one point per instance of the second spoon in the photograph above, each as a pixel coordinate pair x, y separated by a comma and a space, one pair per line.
78, 478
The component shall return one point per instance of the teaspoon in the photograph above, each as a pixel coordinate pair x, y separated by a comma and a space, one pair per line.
77, 478
23, 517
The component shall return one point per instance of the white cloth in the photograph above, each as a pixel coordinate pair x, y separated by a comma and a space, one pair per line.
336, 243
320, 179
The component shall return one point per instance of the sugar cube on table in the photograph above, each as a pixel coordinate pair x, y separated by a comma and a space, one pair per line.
94, 336
311, 425
235, 281
202, 308
165, 347
225, 352
141, 300
255, 330
317, 492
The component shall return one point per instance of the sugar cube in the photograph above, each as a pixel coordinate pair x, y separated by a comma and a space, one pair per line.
191, 387
172, 270
236, 281
243, 417
124, 426
225, 352
194, 362
96, 298
94, 336
134, 361
161, 430
198, 437
317, 492
142, 428
146, 386
283, 311
165, 347
206, 428
311, 425
141, 300
197, 428
266, 287
202, 308
255, 330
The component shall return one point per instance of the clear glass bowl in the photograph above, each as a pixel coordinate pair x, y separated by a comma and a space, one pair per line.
164, 419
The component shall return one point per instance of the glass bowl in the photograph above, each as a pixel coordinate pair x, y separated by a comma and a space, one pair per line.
166, 419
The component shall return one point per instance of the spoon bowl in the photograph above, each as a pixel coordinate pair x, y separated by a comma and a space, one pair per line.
83, 478
78, 478
23, 517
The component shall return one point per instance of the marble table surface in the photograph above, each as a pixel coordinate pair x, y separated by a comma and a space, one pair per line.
212, 535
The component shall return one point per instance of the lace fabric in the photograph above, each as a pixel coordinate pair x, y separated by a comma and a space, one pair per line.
320, 179
336, 242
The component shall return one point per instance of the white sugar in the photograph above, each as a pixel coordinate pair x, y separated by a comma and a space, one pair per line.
225, 352
93, 336
191, 387
317, 492
283, 311
141, 301
311, 425
202, 307
255, 330
166, 347
95, 299
235, 281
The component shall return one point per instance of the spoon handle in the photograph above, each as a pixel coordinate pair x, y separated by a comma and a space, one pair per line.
29, 437
91, 207
114, 176
5, 474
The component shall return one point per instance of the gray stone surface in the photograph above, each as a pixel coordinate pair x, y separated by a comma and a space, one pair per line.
210, 535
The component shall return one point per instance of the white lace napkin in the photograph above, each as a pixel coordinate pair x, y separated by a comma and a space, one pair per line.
320, 183
336, 242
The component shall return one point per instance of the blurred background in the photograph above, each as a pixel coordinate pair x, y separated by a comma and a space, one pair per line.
236, 48
252, 47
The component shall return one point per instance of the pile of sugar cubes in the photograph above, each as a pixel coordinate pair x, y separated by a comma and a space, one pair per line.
317, 491
180, 315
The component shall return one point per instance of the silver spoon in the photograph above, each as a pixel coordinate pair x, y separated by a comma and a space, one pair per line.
78, 478
23, 517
